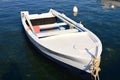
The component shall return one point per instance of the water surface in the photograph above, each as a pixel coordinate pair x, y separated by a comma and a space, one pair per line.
20, 61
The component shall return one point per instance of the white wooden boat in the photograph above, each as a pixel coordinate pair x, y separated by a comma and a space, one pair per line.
64, 40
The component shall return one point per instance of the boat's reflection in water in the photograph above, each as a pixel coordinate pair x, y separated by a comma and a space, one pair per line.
110, 3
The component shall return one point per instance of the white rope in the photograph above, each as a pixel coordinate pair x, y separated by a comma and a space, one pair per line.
98, 78
95, 68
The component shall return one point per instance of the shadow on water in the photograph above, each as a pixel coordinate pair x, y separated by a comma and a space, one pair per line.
13, 74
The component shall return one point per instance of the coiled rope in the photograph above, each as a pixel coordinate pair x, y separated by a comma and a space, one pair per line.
95, 68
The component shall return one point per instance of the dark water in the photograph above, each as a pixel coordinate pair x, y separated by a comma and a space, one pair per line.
20, 61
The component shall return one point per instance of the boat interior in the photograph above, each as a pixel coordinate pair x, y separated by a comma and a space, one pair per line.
45, 25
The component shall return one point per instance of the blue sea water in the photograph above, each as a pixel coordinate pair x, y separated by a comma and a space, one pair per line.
20, 61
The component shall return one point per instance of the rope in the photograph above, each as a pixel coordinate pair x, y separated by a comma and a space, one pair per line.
71, 26
95, 68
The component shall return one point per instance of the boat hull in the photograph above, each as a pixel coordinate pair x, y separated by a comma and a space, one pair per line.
41, 50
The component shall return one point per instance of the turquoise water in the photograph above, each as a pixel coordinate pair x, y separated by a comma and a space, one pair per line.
20, 61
